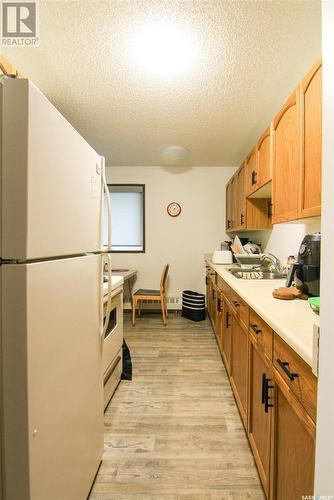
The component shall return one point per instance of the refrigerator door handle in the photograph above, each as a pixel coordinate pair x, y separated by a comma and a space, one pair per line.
106, 321
106, 191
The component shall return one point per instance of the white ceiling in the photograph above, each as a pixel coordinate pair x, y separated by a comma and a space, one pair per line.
250, 56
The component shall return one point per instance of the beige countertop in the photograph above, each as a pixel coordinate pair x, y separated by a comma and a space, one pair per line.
116, 281
292, 320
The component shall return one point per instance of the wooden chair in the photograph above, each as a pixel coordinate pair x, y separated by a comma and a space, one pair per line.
156, 295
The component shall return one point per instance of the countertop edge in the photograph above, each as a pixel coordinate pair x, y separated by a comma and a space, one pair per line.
303, 348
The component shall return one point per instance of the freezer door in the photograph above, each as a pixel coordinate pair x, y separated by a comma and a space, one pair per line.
53, 390
51, 179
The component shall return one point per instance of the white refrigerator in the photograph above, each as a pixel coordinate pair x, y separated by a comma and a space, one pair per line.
51, 279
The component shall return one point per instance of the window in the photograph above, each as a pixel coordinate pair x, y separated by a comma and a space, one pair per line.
127, 218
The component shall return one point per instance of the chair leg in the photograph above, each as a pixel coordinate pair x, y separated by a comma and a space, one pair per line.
139, 307
163, 310
165, 306
134, 303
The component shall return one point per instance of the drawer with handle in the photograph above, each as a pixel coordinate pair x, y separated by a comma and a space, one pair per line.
297, 374
261, 332
240, 308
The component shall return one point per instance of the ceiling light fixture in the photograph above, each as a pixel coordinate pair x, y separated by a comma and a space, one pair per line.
174, 156
164, 49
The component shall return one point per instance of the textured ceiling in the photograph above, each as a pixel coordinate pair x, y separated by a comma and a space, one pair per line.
249, 57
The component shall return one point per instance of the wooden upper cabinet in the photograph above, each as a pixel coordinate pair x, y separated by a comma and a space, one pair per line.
258, 164
286, 160
311, 112
234, 208
289, 153
241, 205
242, 213
264, 153
233, 196
229, 205
251, 177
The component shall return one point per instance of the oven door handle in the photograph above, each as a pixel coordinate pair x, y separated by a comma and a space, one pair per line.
106, 321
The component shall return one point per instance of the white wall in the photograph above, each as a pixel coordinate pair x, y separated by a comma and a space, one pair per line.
284, 239
181, 241
324, 478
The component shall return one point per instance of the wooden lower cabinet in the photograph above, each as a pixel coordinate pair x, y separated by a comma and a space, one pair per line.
293, 445
226, 334
218, 317
239, 366
211, 297
259, 416
278, 413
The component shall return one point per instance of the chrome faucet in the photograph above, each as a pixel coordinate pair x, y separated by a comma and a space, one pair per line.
275, 262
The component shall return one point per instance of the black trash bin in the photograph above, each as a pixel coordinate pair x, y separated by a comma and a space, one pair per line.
193, 305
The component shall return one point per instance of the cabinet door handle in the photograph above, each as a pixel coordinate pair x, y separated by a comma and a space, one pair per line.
284, 365
228, 224
235, 303
242, 219
267, 386
254, 177
227, 318
270, 209
263, 391
219, 303
255, 328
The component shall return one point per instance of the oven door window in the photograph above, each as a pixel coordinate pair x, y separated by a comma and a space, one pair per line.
112, 322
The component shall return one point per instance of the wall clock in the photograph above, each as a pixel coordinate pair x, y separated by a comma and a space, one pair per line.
174, 209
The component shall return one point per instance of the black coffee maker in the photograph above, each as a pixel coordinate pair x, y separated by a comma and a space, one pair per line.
306, 271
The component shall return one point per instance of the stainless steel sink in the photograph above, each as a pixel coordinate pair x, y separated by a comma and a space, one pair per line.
273, 276
252, 274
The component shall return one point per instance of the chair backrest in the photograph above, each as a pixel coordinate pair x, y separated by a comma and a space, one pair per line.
163, 278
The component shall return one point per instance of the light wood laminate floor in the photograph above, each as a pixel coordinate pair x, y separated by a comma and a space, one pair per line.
174, 431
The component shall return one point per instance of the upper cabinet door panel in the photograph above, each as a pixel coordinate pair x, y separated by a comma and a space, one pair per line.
286, 161
311, 98
251, 183
264, 158
241, 214
235, 194
229, 203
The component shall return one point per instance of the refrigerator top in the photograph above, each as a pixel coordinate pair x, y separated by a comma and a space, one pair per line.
51, 192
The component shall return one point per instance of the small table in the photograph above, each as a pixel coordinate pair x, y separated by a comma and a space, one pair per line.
129, 276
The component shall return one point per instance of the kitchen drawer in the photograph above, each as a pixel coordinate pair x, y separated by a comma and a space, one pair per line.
224, 287
112, 378
297, 374
261, 332
240, 308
